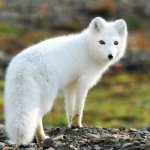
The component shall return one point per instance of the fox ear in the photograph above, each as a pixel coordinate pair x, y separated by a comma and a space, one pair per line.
97, 24
121, 26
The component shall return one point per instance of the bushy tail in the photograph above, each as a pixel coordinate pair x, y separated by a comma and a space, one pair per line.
21, 111
21, 128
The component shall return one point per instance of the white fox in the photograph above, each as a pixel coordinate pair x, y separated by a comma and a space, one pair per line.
72, 63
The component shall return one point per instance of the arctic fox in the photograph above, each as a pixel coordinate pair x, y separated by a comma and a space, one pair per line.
72, 64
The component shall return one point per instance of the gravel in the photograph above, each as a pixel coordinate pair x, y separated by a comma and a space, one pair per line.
86, 138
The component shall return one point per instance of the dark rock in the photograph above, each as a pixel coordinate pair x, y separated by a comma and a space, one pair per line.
136, 143
117, 145
148, 129
47, 143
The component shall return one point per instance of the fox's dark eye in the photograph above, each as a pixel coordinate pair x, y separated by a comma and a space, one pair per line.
116, 43
102, 42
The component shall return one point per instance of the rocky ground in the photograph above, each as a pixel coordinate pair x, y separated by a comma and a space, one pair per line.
87, 138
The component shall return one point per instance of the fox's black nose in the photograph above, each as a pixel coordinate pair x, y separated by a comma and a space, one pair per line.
110, 56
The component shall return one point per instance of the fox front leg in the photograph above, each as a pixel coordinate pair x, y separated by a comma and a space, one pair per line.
81, 93
69, 102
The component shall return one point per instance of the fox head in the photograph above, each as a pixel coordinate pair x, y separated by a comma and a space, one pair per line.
107, 40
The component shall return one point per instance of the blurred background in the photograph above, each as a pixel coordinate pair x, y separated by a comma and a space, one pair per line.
122, 98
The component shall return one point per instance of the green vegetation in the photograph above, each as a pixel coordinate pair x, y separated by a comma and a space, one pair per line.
121, 100
9, 30
134, 22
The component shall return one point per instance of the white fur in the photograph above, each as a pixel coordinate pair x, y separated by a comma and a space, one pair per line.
72, 63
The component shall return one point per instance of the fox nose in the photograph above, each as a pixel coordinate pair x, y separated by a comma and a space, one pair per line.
110, 56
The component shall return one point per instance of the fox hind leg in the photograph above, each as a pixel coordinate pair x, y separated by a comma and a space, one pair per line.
40, 134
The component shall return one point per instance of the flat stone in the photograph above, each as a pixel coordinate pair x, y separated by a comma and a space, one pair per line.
93, 135
106, 135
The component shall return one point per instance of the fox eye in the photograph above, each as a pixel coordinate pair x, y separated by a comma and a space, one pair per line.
116, 43
102, 42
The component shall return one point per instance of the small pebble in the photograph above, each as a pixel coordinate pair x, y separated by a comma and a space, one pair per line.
97, 147
75, 129
50, 148
115, 131
72, 147
127, 145
40, 148
136, 143
81, 142
114, 136
133, 130
31, 148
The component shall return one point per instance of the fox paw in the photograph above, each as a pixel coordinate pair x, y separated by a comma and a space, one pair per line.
45, 137
76, 126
